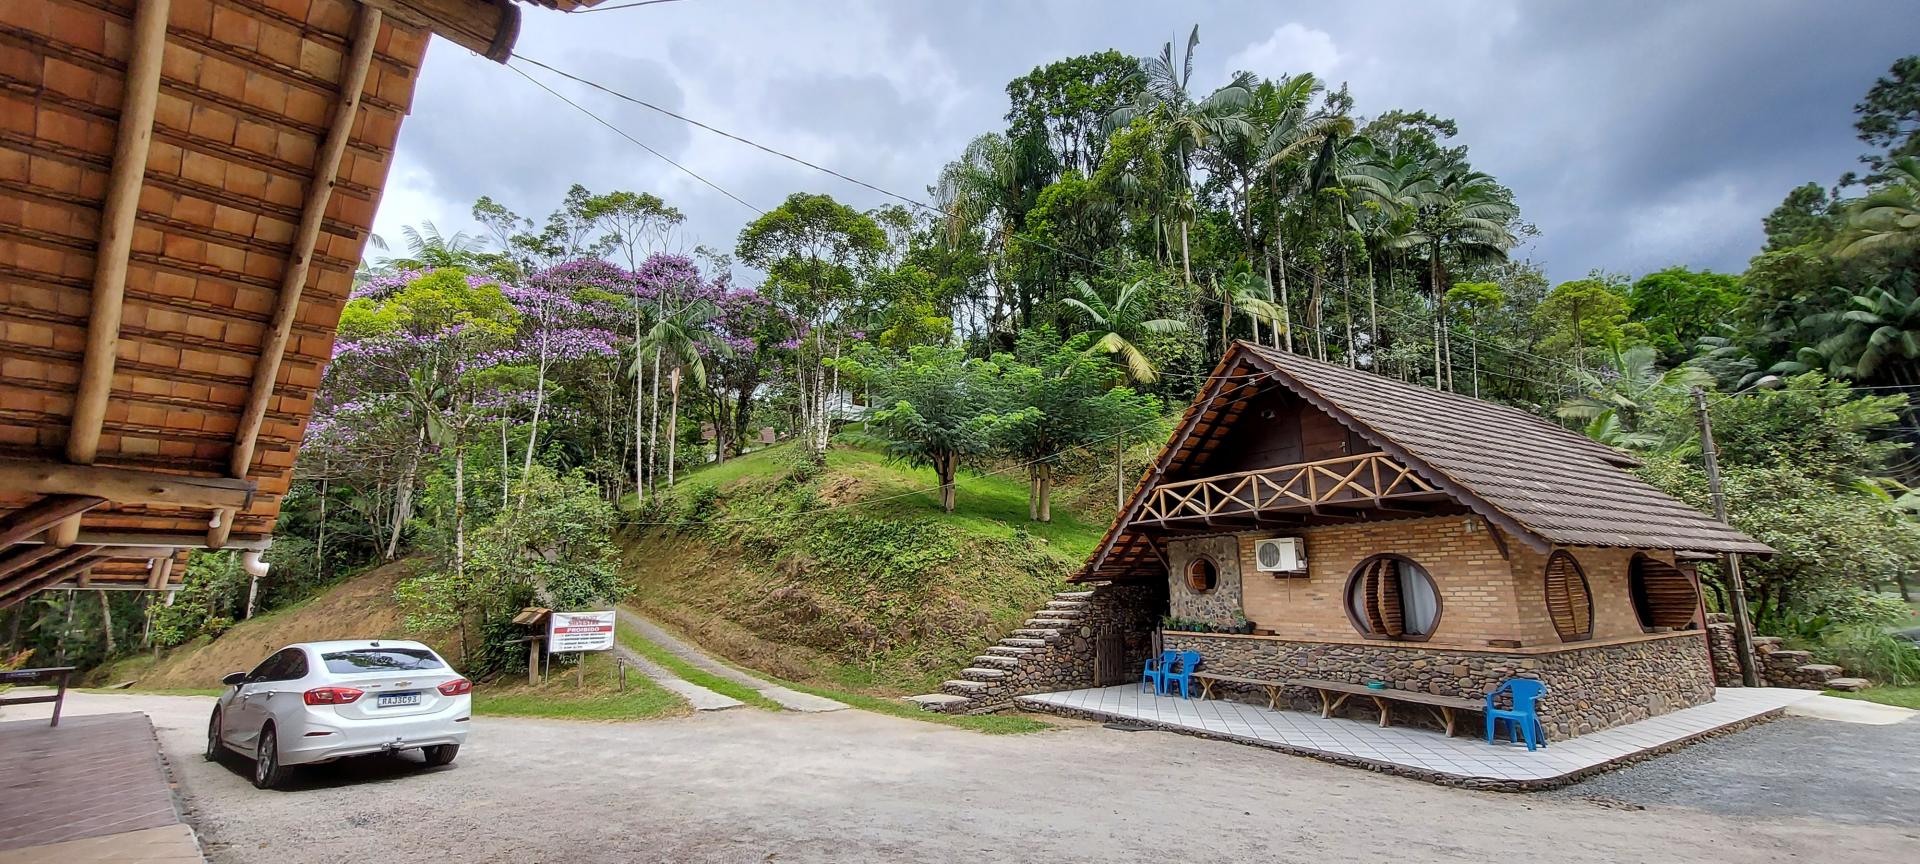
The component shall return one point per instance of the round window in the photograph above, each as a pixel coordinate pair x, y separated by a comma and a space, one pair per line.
1390, 597
1202, 575
1663, 596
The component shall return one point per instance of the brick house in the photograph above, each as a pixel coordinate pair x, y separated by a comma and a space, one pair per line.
1307, 520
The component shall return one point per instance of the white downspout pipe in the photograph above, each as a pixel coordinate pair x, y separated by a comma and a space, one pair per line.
255, 568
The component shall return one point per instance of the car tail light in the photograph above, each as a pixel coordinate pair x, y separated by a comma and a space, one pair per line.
331, 695
456, 687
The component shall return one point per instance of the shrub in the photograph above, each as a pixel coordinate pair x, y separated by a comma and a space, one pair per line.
1870, 652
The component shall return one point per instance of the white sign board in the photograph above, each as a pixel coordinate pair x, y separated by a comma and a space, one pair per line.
569, 632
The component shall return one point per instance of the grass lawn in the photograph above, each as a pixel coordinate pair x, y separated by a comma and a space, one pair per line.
1904, 697
600, 699
993, 505
693, 674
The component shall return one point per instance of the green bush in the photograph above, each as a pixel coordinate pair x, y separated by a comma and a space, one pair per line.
1867, 651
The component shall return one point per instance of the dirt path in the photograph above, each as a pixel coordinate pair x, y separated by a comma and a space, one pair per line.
790, 699
754, 786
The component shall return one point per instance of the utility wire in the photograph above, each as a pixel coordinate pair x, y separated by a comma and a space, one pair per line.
621, 6
642, 145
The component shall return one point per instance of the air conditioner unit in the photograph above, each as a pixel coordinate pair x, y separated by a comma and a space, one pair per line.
1280, 555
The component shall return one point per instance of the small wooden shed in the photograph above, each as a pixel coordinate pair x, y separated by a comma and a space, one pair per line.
186, 188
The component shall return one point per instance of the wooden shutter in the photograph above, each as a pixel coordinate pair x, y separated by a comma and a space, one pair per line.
1663, 596
1385, 609
1568, 602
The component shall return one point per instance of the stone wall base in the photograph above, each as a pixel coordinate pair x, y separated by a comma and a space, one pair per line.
1589, 689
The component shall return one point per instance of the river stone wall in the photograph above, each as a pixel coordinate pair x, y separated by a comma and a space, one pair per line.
1590, 688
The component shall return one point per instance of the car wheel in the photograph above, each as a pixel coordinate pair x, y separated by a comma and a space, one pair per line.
268, 773
213, 737
441, 754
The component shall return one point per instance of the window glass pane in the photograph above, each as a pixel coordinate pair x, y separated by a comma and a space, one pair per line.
364, 660
265, 668
1418, 602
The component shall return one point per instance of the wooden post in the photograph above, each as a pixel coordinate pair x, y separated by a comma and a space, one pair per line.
533, 660
580, 672
1742, 625
621, 665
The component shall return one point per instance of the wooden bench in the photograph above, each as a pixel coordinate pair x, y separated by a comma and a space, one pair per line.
1210, 680
1333, 694
56, 675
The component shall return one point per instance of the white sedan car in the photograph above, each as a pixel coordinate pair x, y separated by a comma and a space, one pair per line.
320, 701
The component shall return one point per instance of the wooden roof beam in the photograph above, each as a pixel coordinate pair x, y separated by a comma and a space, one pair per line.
70, 563
123, 485
139, 96
326, 170
486, 27
41, 515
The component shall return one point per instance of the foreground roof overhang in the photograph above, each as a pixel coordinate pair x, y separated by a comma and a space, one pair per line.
186, 188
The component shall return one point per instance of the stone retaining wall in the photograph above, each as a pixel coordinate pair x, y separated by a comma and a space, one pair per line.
1779, 665
1066, 663
1591, 688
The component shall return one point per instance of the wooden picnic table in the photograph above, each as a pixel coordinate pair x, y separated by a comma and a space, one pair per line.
1333, 694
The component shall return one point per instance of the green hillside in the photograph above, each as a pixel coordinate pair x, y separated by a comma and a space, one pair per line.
849, 574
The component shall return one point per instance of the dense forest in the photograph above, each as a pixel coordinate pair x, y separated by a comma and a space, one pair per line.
503, 405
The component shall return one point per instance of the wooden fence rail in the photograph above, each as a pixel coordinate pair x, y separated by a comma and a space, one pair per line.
1359, 479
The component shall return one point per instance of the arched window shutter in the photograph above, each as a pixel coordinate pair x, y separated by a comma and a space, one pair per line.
1387, 608
1662, 595
1569, 603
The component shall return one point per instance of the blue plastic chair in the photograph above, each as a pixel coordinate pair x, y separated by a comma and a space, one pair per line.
1150, 674
1522, 719
1181, 671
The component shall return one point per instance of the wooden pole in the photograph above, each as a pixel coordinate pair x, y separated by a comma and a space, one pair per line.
533, 660
139, 95
1742, 626
326, 168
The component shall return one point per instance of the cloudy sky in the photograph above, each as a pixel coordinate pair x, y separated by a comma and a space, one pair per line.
1636, 136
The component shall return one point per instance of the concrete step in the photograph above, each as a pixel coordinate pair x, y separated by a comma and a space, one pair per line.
1812, 670
938, 702
1023, 642
1009, 650
1073, 614
1051, 624
977, 673
996, 661
1066, 604
1072, 595
958, 687
1037, 632
1849, 685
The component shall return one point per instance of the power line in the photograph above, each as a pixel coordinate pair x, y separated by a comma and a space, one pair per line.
621, 6
622, 133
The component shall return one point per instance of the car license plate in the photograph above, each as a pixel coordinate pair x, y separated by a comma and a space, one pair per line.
395, 700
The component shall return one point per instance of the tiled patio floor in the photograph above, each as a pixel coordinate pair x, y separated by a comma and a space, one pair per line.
92, 786
1420, 752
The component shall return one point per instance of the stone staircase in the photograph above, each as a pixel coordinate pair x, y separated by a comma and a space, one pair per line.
1031, 654
1779, 666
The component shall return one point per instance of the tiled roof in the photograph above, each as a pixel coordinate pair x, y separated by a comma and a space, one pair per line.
1560, 485
1549, 485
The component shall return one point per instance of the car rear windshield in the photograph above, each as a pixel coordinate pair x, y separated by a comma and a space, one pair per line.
362, 660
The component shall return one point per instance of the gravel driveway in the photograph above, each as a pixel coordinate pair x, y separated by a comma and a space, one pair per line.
753, 786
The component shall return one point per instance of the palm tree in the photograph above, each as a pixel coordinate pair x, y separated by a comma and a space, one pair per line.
1251, 296
682, 337
1465, 212
1889, 217
1882, 326
1188, 124
1121, 326
990, 188
1615, 398
1295, 130
428, 249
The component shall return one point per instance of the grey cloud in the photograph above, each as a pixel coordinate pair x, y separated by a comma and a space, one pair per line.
1635, 136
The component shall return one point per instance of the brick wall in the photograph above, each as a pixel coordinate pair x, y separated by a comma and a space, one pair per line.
1591, 686
1607, 576
1476, 584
